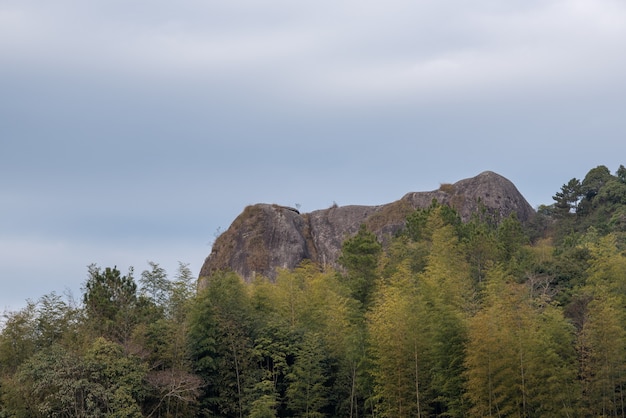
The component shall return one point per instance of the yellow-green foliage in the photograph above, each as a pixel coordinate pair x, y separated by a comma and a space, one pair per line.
448, 319
393, 213
447, 188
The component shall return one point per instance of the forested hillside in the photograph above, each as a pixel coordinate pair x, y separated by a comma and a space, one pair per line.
449, 318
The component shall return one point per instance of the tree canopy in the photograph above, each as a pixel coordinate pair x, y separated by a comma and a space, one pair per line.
445, 319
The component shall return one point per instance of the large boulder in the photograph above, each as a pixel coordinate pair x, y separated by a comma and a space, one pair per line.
266, 237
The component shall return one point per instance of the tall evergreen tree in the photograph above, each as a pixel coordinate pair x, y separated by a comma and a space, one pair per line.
566, 201
360, 256
110, 301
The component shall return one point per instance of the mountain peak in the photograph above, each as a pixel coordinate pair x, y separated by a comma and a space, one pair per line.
265, 237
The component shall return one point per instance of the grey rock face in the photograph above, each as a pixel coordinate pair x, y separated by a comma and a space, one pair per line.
264, 237
494, 192
267, 237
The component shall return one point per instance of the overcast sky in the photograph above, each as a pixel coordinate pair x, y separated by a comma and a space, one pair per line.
134, 130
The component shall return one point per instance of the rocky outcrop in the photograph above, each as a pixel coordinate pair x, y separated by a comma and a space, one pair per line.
266, 237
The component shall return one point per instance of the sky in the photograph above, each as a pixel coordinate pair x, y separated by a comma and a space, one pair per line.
137, 130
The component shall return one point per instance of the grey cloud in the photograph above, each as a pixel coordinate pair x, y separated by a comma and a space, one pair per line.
367, 50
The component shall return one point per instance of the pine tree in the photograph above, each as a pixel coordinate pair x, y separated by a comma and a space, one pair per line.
360, 256
110, 301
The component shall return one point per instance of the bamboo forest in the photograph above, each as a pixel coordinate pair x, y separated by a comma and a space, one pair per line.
484, 318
